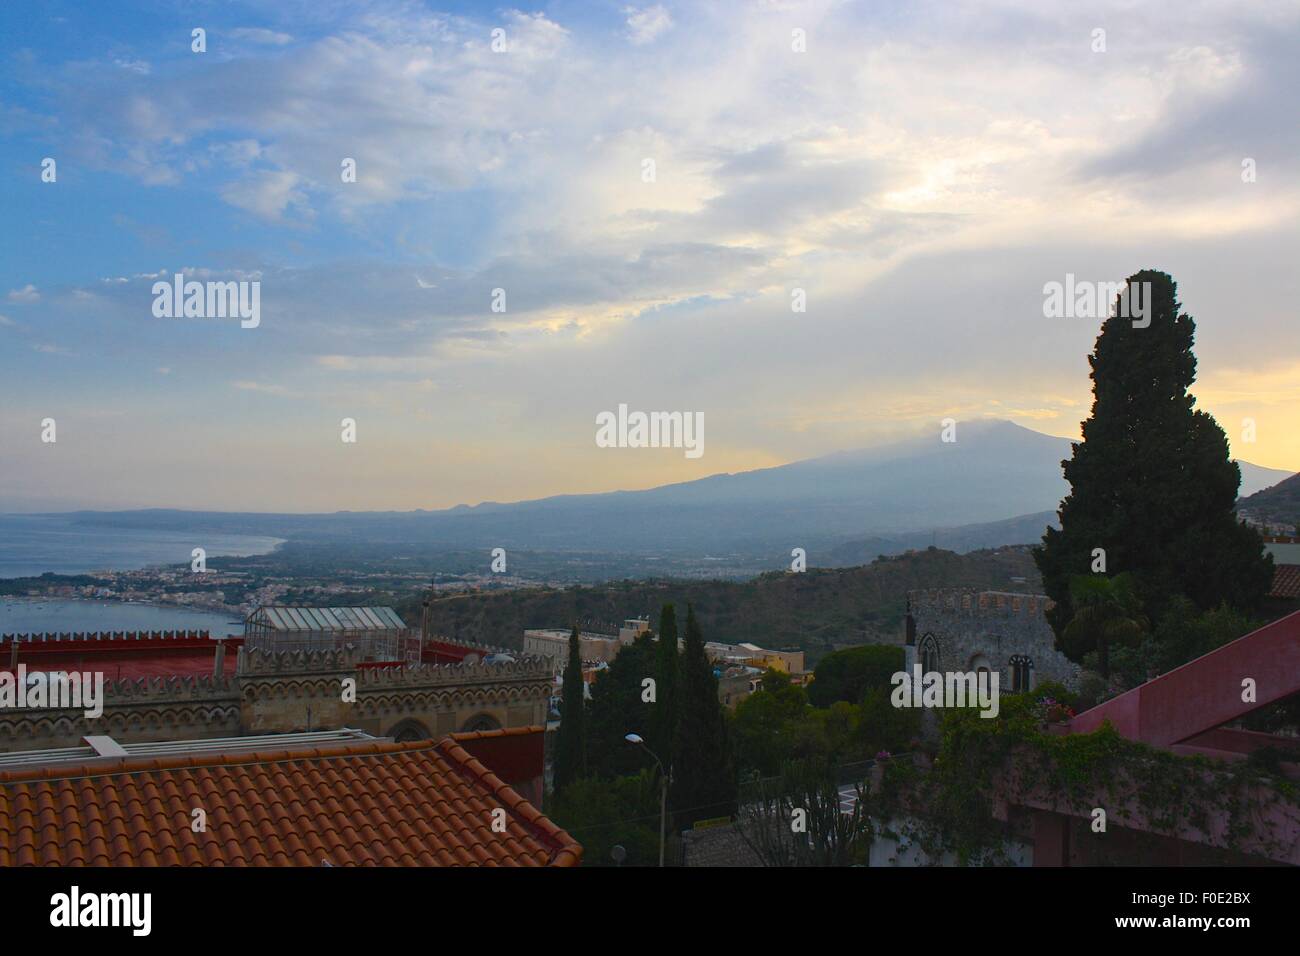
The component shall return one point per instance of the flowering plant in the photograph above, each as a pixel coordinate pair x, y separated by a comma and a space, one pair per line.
1054, 711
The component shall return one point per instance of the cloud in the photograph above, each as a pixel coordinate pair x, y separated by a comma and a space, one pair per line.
262, 36
269, 194
267, 388
645, 25
920, 173
25, 295
134, 66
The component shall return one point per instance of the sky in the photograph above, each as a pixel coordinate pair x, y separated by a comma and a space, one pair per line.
652, 188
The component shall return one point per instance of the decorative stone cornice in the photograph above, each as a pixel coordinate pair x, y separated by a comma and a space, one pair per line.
974, 601
169, 689
527, 669
253, 661
53, 636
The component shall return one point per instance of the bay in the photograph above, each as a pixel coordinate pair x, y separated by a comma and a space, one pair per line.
31, 545
66, 616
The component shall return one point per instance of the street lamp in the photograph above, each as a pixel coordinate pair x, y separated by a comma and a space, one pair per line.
636, 741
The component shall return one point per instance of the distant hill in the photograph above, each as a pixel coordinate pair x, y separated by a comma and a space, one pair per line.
1025, 529
1257, 478
816, 610
992, 486
1279, 504
995, 469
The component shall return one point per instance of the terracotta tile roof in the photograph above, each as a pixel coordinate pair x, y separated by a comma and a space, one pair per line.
1286, 581
379, 803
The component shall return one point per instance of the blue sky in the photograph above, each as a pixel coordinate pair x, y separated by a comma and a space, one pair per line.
920, 171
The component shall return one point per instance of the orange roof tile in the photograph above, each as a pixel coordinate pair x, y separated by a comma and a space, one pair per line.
377, 804
1286, 581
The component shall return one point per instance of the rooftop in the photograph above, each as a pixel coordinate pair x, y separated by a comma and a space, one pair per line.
301, 618
1286, 581
104, 749
121, 655
342, 799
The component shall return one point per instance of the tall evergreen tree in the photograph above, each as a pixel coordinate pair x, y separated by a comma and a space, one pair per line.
617, 708
1151, 482
666, 679
704, 781
570, 746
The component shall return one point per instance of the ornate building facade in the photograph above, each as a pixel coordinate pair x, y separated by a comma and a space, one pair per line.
262, 692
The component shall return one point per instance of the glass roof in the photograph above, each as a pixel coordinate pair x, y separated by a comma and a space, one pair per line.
329, 618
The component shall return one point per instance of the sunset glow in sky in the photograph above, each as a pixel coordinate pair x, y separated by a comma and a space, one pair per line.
921, 171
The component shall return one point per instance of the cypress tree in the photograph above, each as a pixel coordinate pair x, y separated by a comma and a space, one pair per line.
570, 745
666, 680
616, 709
704, 783
1151, 482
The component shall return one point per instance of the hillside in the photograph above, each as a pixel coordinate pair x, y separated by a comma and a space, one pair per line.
816, 610
1279, 504
1025, 529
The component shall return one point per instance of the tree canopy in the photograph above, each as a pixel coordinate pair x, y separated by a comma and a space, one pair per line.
849, 673
1152, 485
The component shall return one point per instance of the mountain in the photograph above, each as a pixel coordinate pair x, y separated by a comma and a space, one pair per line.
1024, 529
993, 470
996, 475
1279, 505
1256, 478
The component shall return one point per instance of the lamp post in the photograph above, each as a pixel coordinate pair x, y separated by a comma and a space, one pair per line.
635, 740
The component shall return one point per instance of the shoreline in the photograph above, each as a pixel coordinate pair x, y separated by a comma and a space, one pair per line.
58, 546
60, 614
80, 599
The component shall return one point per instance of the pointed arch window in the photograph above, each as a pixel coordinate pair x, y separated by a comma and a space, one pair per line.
1021, 673
928, 654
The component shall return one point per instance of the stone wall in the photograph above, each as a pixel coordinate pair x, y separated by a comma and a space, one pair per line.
295, 691
717, 846
134, 711
973, 629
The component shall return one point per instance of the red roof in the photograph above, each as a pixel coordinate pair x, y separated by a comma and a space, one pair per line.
373, 804
132, 655
1205, 693
1286, 581
124, 655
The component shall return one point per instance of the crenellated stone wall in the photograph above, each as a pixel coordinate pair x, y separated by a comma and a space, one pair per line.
971, 629
291, 691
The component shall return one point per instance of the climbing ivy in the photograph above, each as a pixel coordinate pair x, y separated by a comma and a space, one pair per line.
949, 808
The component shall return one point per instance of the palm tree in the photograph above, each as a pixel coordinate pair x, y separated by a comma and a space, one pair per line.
1106, 611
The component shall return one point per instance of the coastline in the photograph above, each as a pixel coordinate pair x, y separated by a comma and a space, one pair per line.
57, 545
122, 602
29, 614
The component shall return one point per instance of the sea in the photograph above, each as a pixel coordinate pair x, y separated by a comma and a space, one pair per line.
65, 616
31, 545
34, 544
